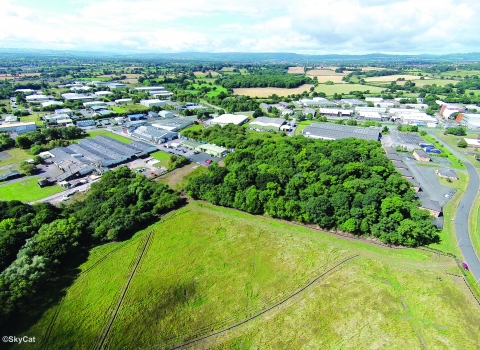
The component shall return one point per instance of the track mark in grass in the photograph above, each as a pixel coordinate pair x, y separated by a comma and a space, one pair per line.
141, 251
51, 325
191, 342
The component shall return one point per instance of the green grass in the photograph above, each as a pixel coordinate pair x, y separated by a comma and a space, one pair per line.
208, 267
194, 127
211, 93
27, 190
474, 225
17, 155
302, 125
163, 157
129, 108
460, 73
345, 88
94, 133
448, 242
438, 82
95, 79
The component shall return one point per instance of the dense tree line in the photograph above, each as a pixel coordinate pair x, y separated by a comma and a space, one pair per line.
40, 243
37, 140
230, 136
346, 184
233, 104
288, 81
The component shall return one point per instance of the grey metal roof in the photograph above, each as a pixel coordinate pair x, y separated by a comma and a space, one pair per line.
405, 172
414, 182
400, 165
277, 121
394, 157
429, 204
447, 172
390, 150
337, 131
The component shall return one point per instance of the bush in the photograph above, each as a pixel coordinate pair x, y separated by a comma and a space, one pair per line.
462, 144
458, 131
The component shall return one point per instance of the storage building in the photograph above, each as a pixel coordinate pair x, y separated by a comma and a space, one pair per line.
225, 119
266, 124
334, 132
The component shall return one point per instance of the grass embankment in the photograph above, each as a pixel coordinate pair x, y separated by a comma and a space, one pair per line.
27, 190
448, 239
208, 267
474, 225
95, 133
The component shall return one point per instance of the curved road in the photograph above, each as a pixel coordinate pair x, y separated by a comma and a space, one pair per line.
463, 212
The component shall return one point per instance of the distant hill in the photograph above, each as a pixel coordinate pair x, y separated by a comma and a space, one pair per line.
243, 57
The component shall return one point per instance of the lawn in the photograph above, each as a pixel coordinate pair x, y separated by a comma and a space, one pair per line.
130, 109
94, 133
17, 155
194, 127
302, 125
163, 157
474, 225
345, 88
27, 190
206, 268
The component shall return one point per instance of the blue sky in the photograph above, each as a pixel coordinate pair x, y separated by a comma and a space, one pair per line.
300, 26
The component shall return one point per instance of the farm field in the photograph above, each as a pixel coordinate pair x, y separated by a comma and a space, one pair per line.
322, 72
296, 70
460, 73
345, 88
94, 133
204, 268
27, 190
438, 82
389, 78
199, 74
333, 78
265, 92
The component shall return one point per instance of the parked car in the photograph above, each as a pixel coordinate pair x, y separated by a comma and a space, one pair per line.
208, 161
465, 266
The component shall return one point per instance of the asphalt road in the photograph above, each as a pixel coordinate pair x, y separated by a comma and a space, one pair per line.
463, 212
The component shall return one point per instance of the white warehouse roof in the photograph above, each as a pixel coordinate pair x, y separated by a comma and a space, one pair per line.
230, 118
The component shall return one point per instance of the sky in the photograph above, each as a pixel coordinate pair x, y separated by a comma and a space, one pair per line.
297, 26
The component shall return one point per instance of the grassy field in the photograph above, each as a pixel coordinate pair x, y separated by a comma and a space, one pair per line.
438, 82
178, 178
345, 88
390, 78
17, 156
216, 92
207, 267
265, 92
129, 108
474, 225
460, 73
194, 127
163, 157
94, 133
27, 190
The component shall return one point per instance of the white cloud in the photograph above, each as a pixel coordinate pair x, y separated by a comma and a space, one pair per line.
337, 26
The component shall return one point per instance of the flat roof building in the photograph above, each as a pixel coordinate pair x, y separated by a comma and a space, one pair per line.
78, 97
176, 124
103, 93
266, 124
153, 103
123, 101
353, 102
166, 114
474, 143
37, 98
213, 150
19, 128
336, 112
154, 135
335, 131
225, 119
149, 88
52, 103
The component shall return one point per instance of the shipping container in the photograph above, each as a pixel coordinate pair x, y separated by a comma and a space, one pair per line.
426, 145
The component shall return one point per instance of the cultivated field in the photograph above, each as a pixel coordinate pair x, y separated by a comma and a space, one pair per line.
345, 88
27, 190
201, 74
439, 82
334, 78
389, 78
321, 72
296, 70
265, 92
204, 268
9, 76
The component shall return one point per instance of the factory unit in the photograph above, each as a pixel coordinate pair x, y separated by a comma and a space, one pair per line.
334, 132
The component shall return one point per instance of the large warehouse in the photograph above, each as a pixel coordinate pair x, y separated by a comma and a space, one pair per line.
101, 151
173, 124
335, 131
225, 119
151, 134
266, 124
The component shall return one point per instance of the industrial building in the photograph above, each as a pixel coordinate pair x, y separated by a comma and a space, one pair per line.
334, 132
471, 121
174, 125
52, 103
213, 150
370, 116
166, 114
336, 112
353, 102
37, 98
19, 128
474, 143
421, 155
318, 102
448, 109
123, 101
154, 135
447, 173
153, 103
419, 118
371, 109
90, 154
78, 97
150, 88
225, 119
266, 124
